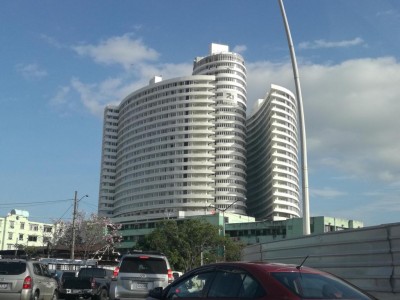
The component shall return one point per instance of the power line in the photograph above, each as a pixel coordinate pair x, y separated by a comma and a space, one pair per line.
32, 203
87, 203
14, 204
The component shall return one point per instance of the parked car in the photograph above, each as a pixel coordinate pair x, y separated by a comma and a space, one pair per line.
60, 276
138, 273
91, 283
176, 274
26, 280
258, 280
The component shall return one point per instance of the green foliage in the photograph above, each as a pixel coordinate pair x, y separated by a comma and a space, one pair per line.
233, 250
185, 242
31, 251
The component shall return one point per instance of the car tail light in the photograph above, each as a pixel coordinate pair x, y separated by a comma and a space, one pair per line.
115, 273
27, 284
170, 276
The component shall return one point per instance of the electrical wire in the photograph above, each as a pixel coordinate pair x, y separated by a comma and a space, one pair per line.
32, 203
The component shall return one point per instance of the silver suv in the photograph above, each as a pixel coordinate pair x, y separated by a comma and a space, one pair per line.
26, 280
138, 273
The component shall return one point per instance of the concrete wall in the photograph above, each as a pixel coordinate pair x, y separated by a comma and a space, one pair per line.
368, 257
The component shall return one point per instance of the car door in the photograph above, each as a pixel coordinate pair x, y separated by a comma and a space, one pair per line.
234, 283
50, 282
40, 280
191, 287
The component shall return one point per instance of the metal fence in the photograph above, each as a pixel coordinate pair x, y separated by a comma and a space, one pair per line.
68, 264
368, 257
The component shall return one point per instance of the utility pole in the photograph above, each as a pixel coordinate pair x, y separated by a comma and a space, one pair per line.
223, 221
73, 226
73, 223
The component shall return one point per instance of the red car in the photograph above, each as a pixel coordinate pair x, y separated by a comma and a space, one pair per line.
258, 280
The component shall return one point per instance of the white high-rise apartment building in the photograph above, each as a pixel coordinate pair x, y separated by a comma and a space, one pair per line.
230, 125
272, 157
176, 147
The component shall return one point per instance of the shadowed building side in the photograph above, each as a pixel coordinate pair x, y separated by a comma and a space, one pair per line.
272, 157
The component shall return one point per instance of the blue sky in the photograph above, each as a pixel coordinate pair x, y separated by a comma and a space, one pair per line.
63, 61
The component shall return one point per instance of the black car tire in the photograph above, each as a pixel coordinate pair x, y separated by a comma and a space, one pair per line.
102, 296
55, 296
36, 295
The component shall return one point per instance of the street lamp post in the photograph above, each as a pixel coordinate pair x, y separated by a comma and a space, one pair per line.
73, 223
305, 194
223, 220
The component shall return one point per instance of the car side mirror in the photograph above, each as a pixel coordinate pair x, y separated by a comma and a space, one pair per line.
156, 293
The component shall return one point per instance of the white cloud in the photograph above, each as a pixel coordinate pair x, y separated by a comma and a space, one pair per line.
121, 50
351, 113
388, 13
96, 96
52, 41
317, 44
350, 108
31, 71
326, 193
61, 95
387, 205
240, 49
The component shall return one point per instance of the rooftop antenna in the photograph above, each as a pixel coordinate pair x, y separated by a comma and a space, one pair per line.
304, 260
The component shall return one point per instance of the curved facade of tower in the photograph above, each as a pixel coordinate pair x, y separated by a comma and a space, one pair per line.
272, 158
165, 154
108, 158
176, 147
230, 125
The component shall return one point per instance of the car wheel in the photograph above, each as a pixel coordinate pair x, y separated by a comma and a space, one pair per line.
36, 296
102, 296
55, 296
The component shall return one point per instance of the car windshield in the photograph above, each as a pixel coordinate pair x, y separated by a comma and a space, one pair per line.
145, 264
12, 267
317, 286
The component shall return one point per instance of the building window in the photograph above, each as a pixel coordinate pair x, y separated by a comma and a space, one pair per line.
22, 225
47, 229
33, 227
32, 238
12, 224
21, 237
10, 235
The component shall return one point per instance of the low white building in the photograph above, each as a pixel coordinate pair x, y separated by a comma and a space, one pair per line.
17, 231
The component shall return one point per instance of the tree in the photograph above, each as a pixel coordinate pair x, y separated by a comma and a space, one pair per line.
91, 234
186, 242
233, 249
